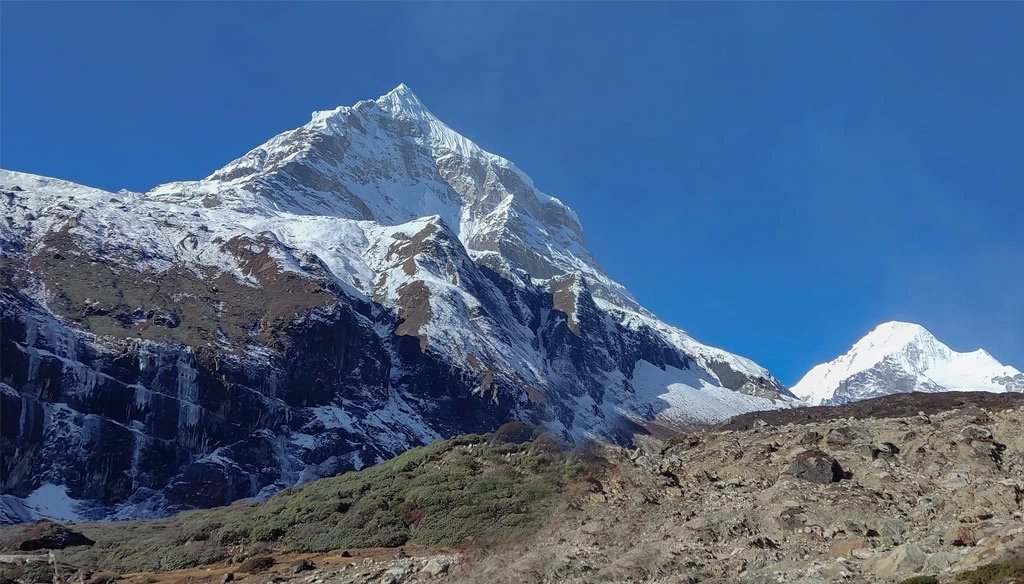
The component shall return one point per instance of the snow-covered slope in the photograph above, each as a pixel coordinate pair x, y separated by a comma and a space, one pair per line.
899, 357
367, 282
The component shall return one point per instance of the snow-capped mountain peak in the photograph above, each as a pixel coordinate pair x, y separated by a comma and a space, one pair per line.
899, 357
403, 98
365, 282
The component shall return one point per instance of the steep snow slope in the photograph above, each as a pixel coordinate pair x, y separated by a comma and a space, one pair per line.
369, 281
901, 357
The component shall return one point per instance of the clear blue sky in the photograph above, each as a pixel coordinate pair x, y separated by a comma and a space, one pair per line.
776, 178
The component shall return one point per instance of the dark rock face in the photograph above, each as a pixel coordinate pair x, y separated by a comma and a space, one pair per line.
169, 425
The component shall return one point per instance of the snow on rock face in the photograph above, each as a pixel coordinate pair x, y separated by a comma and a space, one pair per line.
367, 282
899, 357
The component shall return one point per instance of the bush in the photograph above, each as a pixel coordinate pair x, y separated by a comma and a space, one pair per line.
995, 572
921, 580
36, 572
266, 532
103, 578
256, 564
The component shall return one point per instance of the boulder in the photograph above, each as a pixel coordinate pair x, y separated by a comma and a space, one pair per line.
393, 576
845, 436
46, 535
816, 466
434, 567
808, 438
971, 433
903, 560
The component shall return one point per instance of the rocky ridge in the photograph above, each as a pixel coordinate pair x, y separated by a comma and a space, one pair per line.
851, 499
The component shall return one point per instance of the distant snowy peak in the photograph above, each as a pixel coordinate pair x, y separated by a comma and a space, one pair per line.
899, 357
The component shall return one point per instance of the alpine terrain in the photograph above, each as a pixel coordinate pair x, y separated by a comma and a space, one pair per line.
365, 283
898, 357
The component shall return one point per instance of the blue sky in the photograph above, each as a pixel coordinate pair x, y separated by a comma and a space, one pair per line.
776, 178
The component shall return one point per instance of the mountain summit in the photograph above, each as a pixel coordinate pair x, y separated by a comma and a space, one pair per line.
899, 357
367, 282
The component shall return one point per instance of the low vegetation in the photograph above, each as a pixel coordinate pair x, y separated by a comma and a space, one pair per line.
36, 572
996, 573
1011, 570
443, 494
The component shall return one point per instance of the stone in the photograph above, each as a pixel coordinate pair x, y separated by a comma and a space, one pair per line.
867, 452
393, 576
887, 449
435, 567
903, 560
892, 529
644, 462
808, 438
229, 577
940, 562
815, 466
46, 535
954, 482
971, 433
845, 436
862, 553
302, 566
846, 547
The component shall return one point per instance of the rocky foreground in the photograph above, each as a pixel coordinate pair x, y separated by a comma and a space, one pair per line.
823, 495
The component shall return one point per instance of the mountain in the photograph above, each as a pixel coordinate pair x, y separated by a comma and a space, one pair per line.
367, 282
899, 357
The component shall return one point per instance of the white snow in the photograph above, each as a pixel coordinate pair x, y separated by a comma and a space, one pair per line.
915, 351
688, 399
52, 502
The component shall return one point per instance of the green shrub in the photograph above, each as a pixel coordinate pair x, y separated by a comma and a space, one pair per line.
266, 532
256, 564
36, 572
995, 572
103, 578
